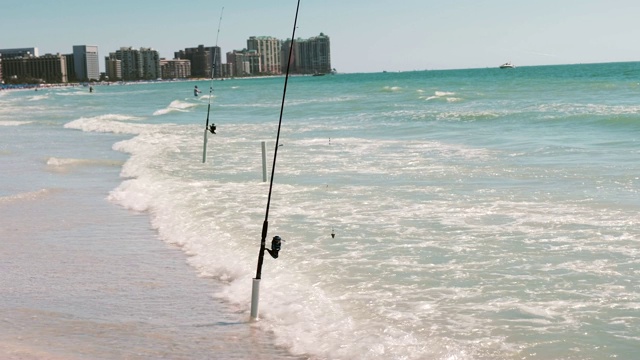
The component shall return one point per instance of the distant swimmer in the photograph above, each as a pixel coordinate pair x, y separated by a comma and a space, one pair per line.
212, 128
196, 91
90, 89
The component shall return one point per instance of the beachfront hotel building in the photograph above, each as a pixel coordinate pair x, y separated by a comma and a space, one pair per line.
150, 64
130, 65
113, 68
310, 56
202, 58
268, 48
135, 64
226, 70
20, 52
48, 68
175, 69
86, 62
244, 62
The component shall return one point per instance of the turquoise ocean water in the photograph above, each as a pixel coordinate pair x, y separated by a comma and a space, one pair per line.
479, 214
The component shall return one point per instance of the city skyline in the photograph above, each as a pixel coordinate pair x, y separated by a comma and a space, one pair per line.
262, 56
102, 59
367, 36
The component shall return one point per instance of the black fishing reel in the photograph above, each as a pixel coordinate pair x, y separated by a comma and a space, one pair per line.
212, 128
276, 244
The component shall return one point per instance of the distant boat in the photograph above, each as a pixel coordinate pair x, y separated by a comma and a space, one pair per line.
318, 74
507, 65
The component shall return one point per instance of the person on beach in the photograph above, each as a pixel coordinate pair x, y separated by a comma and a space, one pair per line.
196, 91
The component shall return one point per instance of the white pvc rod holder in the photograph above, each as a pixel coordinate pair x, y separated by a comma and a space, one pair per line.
255, 298
264, 162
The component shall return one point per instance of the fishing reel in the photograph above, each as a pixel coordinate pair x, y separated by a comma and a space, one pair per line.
276, 243
212, 128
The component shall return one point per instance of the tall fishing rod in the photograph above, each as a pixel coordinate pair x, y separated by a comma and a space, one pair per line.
211, 128
276, 242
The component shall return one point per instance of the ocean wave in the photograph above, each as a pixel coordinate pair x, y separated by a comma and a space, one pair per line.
107, 123
467, 115
444, 95
322, 100
117, 117
39, 97
27, 196
560, 110
176, 105
392, 88
131, 195
66, 163
253, 105
14, 123
75, 92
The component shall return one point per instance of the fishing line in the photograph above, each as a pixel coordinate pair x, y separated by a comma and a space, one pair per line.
265, 224
213, 67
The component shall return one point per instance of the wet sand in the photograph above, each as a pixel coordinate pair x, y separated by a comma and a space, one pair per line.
81, 278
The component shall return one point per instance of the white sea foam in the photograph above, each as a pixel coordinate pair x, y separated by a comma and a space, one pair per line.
75, 92
65, 164
14, 123
339, 99
27, 196
39, 97
180, 209
107, 123
556, 110
446, 95
176, 105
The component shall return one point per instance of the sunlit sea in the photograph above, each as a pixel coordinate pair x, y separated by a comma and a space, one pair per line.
478, 214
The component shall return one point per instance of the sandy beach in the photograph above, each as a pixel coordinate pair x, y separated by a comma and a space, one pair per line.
86, 279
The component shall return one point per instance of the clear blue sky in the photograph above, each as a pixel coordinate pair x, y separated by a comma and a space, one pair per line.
366, 35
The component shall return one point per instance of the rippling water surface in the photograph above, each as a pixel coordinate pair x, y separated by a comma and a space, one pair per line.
479, 214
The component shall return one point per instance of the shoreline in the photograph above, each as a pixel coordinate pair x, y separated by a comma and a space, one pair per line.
83, 278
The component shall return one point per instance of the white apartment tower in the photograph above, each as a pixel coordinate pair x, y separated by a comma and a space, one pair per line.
86, 62
268, 49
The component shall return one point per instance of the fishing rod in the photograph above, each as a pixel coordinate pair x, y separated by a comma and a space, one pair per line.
211, 128
276, 242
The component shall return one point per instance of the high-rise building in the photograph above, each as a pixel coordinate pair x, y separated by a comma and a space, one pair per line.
245, 62
86, 62
150, 64
175, 69
135, 64
48, 69
71, 68
131, 63
202, 60
113, 68
310, 56
268, 48
21, 52
226, 70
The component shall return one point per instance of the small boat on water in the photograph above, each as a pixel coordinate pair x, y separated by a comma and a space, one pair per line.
507, 65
